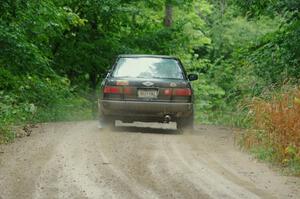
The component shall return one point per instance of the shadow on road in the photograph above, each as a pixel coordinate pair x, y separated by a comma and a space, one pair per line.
151, 128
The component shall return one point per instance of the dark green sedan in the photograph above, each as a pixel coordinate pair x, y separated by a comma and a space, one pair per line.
147, 88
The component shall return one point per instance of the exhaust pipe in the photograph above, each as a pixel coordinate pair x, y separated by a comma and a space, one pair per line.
167, 119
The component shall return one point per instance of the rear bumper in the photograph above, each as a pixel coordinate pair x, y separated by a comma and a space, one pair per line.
123, 109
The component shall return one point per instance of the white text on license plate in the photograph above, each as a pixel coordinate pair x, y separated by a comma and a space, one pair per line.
147, 93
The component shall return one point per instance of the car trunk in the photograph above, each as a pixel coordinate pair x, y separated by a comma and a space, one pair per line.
152, 90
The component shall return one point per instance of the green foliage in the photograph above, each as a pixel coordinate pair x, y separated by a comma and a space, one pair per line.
27, 31
256, 8
43, 92
28, 85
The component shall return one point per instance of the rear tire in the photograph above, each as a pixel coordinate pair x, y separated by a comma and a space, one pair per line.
185, 124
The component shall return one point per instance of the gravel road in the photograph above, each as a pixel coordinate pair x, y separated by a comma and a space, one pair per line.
78, 160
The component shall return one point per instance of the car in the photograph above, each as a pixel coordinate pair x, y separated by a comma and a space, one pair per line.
147, 88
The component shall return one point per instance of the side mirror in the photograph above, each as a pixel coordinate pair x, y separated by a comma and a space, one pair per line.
192, 77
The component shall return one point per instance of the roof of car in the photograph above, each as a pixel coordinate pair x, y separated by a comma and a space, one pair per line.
155, 56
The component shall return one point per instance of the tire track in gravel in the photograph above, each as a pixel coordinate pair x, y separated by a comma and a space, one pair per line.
77, 160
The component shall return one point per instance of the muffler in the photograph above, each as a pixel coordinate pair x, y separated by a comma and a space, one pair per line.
167, 119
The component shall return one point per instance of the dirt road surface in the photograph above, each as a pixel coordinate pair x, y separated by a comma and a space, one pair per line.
77, 160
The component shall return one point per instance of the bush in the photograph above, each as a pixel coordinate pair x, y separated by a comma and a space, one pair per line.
12, 112
33, 99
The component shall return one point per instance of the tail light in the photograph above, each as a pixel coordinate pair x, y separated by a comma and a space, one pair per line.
178, 92
117, 90
112, 90
182, 92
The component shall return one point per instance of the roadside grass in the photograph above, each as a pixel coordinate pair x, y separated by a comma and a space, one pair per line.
72, 109
231, 115
12, 115
6, 134
275, 136
34, 99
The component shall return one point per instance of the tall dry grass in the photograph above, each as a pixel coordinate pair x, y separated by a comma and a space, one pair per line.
277, 128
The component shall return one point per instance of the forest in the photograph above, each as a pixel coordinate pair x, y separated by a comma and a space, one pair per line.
54, 54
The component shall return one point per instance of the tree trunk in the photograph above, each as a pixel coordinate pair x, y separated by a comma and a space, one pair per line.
168, 14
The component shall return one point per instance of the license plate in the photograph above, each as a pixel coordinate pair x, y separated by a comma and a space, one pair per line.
147, 93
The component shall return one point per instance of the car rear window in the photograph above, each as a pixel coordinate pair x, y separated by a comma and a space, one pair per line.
148, 67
